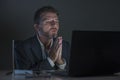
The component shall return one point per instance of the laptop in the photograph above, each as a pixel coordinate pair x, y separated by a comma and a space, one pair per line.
94, 53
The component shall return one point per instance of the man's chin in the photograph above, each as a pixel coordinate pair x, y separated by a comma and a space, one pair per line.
53, 36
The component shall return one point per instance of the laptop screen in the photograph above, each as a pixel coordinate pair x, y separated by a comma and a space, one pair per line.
94, 53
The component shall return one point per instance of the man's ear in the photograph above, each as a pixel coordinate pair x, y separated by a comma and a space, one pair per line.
36, 27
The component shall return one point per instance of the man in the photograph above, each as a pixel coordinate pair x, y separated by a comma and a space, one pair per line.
46, 50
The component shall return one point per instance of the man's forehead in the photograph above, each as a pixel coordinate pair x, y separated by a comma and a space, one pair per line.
47, 15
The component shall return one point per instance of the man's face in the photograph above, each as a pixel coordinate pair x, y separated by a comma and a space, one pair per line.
49, 24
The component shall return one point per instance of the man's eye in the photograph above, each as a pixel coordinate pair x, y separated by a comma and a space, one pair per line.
46, 21
50, 21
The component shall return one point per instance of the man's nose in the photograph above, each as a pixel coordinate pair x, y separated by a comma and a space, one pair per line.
53, 22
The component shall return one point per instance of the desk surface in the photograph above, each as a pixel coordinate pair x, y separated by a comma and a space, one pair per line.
5, 76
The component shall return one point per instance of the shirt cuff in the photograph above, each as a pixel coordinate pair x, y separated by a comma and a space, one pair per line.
63, 65
51, 62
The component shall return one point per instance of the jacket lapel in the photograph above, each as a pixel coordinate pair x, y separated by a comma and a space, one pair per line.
36, 49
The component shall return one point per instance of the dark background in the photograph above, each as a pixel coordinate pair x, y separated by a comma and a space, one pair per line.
16, 20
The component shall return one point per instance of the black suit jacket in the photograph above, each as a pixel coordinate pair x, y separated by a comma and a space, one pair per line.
28, 55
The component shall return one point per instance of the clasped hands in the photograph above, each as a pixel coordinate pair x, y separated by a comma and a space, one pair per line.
55, 53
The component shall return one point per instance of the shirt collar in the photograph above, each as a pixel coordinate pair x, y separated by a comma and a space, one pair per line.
42, 43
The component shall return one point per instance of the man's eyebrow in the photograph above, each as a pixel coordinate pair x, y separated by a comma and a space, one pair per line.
46, 18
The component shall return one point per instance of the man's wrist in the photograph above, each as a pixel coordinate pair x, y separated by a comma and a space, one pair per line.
52, 59
62, 66
60, 62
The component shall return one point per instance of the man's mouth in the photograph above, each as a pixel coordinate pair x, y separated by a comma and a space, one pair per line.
53, 29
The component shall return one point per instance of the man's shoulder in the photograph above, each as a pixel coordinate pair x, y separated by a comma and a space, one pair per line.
29, 40
26, 42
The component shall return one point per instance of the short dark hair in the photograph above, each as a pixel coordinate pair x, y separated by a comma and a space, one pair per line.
42, 10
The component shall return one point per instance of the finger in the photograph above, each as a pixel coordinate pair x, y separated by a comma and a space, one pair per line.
54, 50
54, 56
60, 43
58, 40
60, 51
57, 43
57, 54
